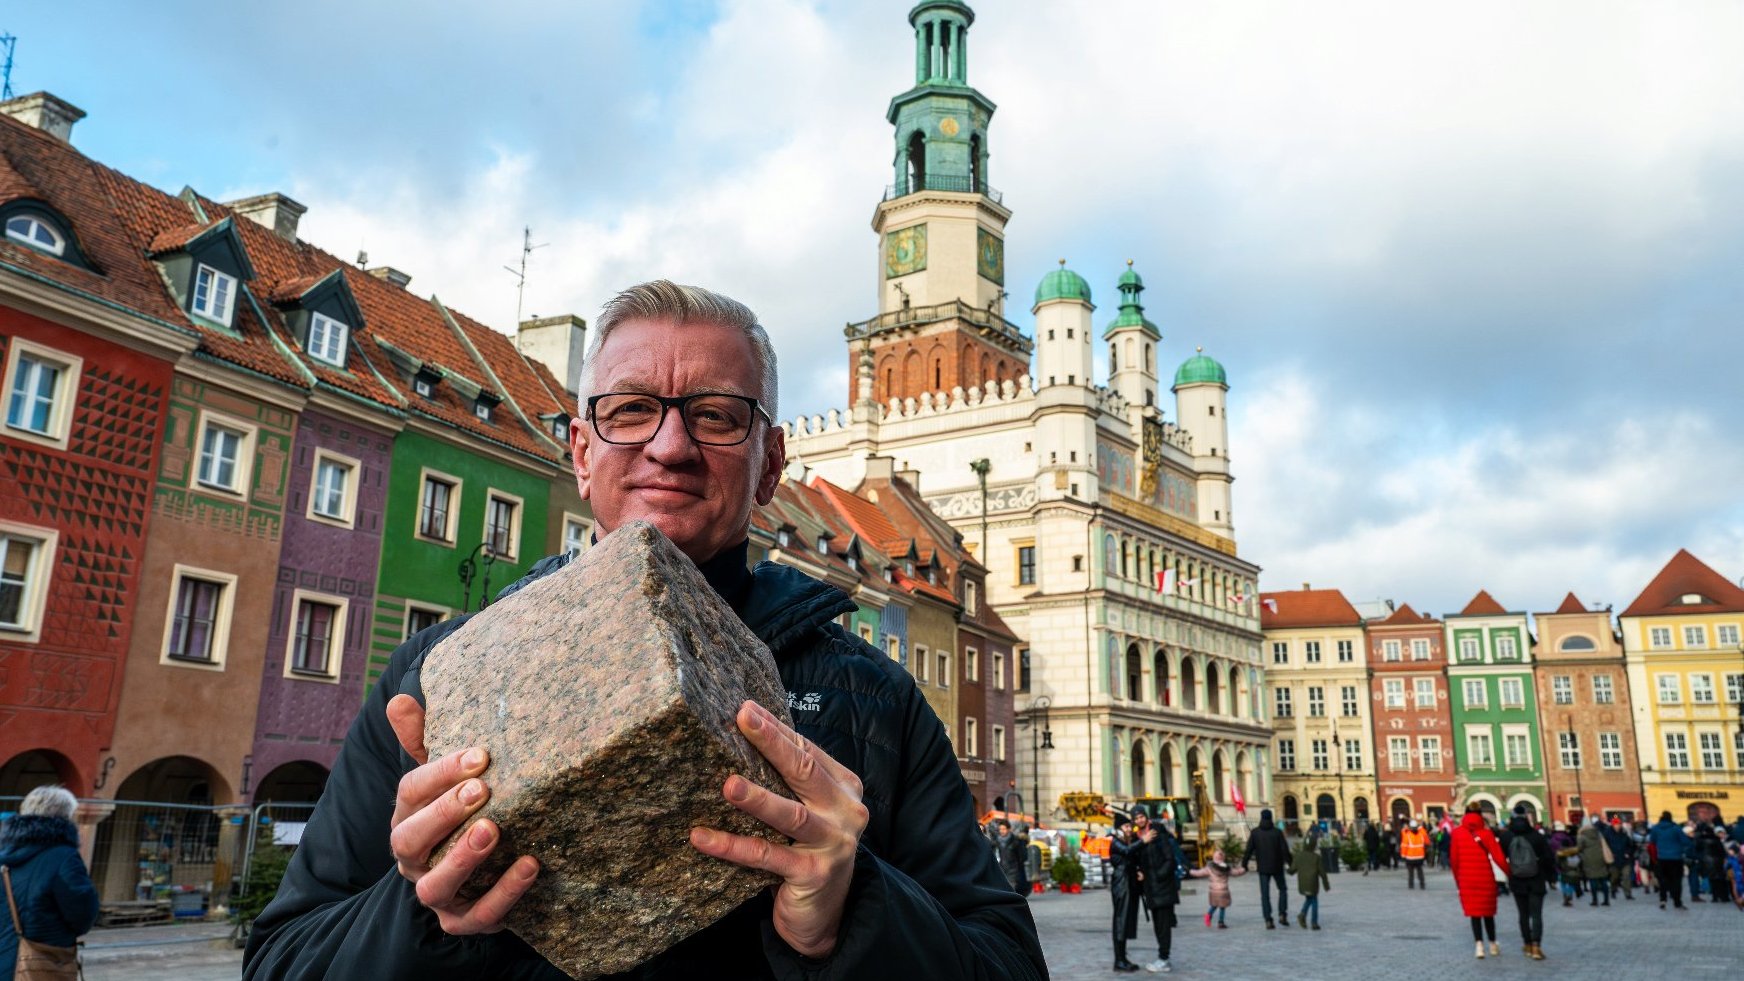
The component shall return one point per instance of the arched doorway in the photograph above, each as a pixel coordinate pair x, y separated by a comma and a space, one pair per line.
1134, 673
297, 782
1325, 808
1213, 693
1244, 776
1292, 810
163, 833
1160, 676
1488, 806
1236, 693
1166, 779
1140, 788
36, 768
1189, 684
1359, 811
1705, 811
1400, 809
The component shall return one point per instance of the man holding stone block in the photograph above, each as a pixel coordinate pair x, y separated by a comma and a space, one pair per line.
884, 874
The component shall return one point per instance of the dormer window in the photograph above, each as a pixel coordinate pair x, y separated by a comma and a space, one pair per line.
908, 567
781, 538
424, 383
482, 409
1692, 599
560, 428
854, 562
823, 545
214, 295
327, 340
36, 232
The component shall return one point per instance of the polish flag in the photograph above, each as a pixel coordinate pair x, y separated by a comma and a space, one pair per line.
1165, 580
1235, 795
1271, 604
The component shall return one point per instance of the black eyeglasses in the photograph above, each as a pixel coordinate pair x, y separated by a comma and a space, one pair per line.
710, 418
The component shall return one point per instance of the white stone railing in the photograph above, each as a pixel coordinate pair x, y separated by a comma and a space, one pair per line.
957, 399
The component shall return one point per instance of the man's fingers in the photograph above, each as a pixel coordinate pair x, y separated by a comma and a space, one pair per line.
437, 887
808, 770
406, 717
789, 817
426, 783
755, 853
487, 913
414, 837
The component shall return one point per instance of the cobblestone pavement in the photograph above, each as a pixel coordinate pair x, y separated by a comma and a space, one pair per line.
183, 951
1375, 928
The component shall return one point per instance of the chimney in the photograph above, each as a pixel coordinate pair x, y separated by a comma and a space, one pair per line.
274, 210
880, 467
560, 342
52, 115
388, 274
1306, 587
910, 476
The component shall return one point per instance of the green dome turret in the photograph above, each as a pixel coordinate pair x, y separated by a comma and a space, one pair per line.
1062, 284
1131, 311
1200, 369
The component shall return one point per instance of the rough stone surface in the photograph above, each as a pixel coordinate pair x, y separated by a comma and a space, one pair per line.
606, 693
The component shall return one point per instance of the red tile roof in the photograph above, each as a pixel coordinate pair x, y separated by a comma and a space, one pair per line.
1307, 608
1686, 575
1404, 616
171, 239
1571, 605
1483, 604
14, 185
867, 519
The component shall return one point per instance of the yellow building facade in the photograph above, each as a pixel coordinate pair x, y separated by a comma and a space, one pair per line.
1685, 658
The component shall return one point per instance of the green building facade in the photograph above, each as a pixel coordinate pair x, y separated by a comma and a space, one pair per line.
1494, 709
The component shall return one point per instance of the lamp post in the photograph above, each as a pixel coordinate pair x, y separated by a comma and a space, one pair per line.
981, 468
1568, 722
1040, 738
1338, 761
469, 568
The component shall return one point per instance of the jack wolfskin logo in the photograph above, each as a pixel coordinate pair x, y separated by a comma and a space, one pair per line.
811, 702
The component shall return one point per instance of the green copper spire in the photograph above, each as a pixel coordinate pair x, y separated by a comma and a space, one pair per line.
1200, 369
1062, 284
1132, 311
941, 123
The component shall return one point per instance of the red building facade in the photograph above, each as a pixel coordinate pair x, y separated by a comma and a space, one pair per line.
1414, 752
1587, 720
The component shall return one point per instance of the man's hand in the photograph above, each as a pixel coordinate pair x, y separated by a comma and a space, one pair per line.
433, 800
825, 824
1148, 835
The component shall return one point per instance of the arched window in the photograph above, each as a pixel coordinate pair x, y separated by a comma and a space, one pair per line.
977, 181
1138, 769
1147, 359
1113, 358
1189, 684
36, 232
1576, 643
1125, 559
1160, 676
1325, 808
916, 162
1134, 674
938, 374
1291, 811
1213, 699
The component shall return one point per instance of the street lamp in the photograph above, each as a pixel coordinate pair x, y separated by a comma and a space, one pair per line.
469, 568
981, 467
1568, 720
1338, 761
1041, 737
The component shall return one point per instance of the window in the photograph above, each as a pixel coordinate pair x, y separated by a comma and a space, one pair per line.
1312, 649
893, 646
226, 449
866, 632
331, 494
1513, 693
576, 533
199, 617
998, 670
1602, 691
502, 524
1346, 651
1281, 707
327, 340
943, 675
1610, 750
40, 387
998, 733
1316, 701
318, 637
1429, 749
1478, 749
1023, 669
1658, 637
1425, 693
481, 408
1026, 565
438, 506
424, 386
1695, 637
1286, 754
214, 295
1391, 650
1475, 696
25, 554
1347, 701
1726, 635
1713, 757
1669, 691
1399, 752
1420, 649
921, 664
1676, 751
1468, 649
1320, 760
1353, 755
36, 233
1395, 692
419, 618
560, 429
1518, 748
1735, 688
1507, 648
1562, 689
1568, 746
971, 665
971, 601
1702, 689
1280, 652
971, 737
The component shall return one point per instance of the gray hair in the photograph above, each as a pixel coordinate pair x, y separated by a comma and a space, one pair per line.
52, 800
666, 301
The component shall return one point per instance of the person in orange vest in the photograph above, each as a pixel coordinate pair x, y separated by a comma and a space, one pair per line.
1414, 848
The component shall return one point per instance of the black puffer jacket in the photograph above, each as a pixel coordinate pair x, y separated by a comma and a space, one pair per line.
1163, 865
926, 901
1266, 848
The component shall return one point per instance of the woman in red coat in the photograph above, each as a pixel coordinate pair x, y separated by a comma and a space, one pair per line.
1472, 850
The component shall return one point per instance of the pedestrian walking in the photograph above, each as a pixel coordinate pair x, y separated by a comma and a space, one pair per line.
1567, 861
1329, 842
1595, 861
1709, 857
1414, 848
1372, 845
1269, 853
1475, 856
1390, 846
1668, 841
1444, 841
48, 891
1010, 850
1218, 871
1310, 876
1531, 870
1622, 859
1643, 856
1123, 888
1161, 868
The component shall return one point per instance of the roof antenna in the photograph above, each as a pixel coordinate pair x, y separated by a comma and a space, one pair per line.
7, 43
520, 274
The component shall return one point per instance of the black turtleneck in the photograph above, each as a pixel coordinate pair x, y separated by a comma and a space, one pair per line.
727, 573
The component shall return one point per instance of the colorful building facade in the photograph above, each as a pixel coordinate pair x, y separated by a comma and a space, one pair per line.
1413, 741
1587, 712
1494, 708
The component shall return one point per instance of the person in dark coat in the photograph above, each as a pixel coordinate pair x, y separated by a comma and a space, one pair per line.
1622, 859
1161, 866
1012, 852
1709, 858
1669, 844
1595, 862
1472, 850
1123, 886
1269, 853
1372, 844
884, 873
40, 849
1531, 871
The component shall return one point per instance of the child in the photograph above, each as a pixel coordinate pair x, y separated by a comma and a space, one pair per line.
1735, 872
1218, 870
1310, 876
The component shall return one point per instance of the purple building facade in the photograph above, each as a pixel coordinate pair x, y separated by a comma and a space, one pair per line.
323, 603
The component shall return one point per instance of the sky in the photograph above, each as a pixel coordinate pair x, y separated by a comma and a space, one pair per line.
1473, 269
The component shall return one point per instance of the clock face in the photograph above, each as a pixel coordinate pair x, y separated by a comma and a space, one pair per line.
990, 256
905, 251
948, 126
